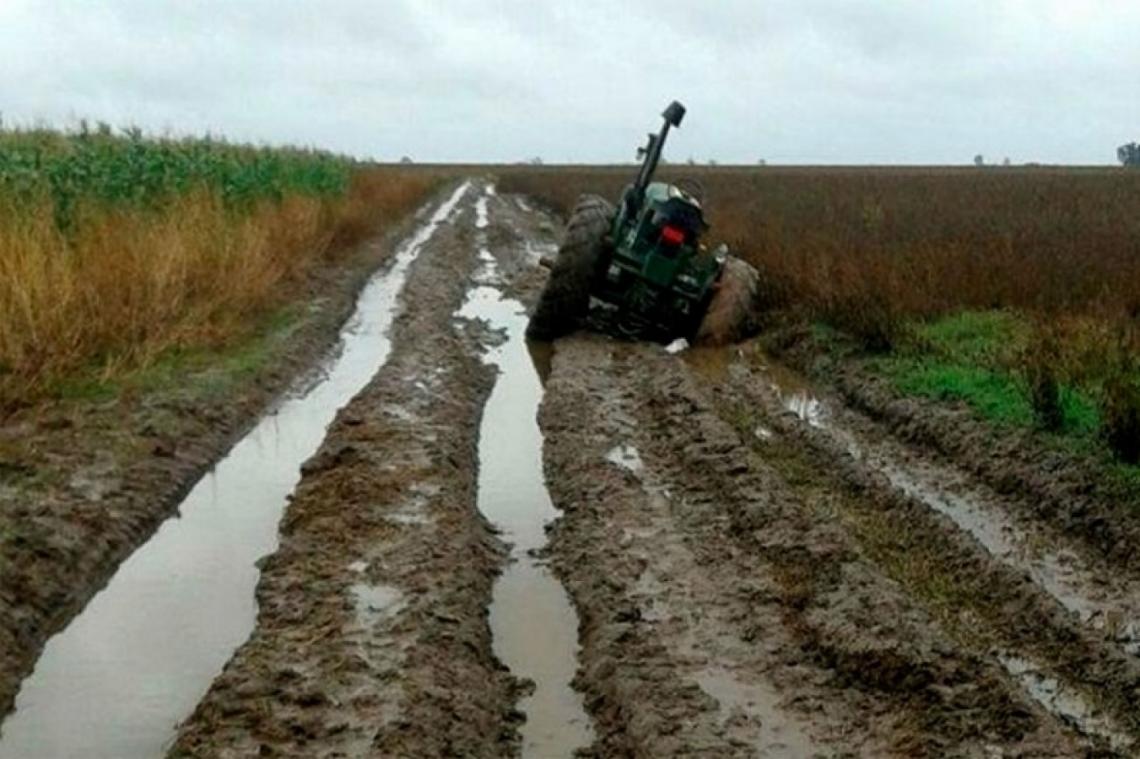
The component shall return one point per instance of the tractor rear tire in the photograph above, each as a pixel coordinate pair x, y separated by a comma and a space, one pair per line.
565, 300
731, 313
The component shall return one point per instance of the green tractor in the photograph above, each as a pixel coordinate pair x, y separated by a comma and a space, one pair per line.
639, 269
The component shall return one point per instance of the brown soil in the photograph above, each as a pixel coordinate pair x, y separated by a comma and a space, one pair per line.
83, 484
724, 616
372, 636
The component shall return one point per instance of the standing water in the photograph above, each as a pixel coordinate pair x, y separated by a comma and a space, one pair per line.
118, 679
533, 625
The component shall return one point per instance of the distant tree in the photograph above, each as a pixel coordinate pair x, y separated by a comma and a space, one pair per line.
692, 161
406, 159
536, 161
761, 162
979, 160
712, 162
1129, 155
1005, 161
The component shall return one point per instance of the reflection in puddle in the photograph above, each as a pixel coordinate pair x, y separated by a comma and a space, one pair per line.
542, 357
533, 625
118, 679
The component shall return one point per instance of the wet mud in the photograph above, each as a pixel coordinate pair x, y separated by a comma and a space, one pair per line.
1009, 589
533, 625
372, 635
693, 552
117, 680
83, 484
724, 616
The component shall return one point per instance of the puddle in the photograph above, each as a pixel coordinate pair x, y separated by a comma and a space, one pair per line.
481, 219
779, 735
534, 626
1065, 702
135, 662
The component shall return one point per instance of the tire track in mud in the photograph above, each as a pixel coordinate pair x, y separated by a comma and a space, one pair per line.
372, 634
108, 475
717, 607
938, 538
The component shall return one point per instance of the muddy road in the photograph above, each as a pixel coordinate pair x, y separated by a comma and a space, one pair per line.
600, 548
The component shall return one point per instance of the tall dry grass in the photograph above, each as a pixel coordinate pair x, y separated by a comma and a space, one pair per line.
122, 284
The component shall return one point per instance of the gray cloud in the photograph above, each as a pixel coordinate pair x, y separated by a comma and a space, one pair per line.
813, 81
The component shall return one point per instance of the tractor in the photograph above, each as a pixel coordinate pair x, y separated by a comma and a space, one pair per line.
639, 269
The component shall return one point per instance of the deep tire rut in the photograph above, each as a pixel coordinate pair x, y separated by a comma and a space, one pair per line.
989, 603
736, 574
372, 636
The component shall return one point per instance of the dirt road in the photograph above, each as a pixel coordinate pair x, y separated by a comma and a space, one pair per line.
757, 568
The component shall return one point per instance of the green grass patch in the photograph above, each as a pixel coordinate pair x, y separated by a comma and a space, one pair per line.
995, 396
972, 357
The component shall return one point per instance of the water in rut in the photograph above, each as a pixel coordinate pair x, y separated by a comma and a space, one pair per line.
533, 624
117, 680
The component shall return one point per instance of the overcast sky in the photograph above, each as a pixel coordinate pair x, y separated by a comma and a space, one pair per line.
790, 81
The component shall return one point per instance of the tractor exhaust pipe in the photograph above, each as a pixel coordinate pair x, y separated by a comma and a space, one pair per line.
652, 151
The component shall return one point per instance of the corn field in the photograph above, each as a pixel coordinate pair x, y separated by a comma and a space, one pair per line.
117, 247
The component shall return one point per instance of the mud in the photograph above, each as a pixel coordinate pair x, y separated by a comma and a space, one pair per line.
1067, 490
717, 607
960, 550
1102, 595
372, 634
746, 564
83, 483
140, 655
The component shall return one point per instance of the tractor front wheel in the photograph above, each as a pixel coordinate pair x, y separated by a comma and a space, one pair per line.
565, 300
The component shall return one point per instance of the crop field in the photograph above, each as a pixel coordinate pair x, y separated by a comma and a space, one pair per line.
116, 248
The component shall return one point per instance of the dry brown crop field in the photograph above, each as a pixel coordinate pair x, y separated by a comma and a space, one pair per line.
116, 248
924, 240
